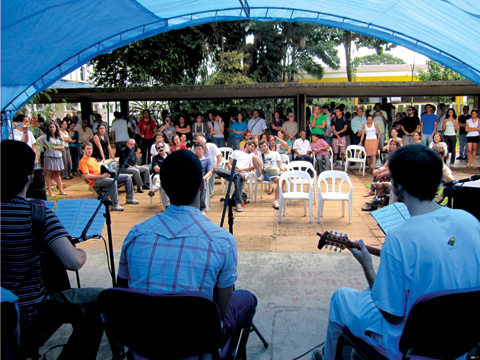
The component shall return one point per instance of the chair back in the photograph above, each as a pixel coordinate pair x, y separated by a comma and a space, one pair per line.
226, 152
296, 181
161, 325
298, 165
355, 153
443, 324
337, 178
285, 159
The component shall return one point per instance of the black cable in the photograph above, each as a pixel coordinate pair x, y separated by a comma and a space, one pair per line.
106, 253
298, 357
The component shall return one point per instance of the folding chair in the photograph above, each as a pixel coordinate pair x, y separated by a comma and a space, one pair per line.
160, 325
296, 181
356, 154
335, 192
439, 326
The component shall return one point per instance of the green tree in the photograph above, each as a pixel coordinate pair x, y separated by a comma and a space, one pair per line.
230, 70
438, 72
378, 59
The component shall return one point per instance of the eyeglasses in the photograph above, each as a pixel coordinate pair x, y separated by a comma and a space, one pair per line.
160, 148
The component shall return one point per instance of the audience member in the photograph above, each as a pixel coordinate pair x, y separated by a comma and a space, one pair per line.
185, 142
447, 173
462, 133
213, 153
168, 130
397, 125
438, 140
276, 124
318, 122
239, 129
339, 141
97, 123
90, 169
101, 145
159, 137
21, 132
66, 158
146, 129
157, 162
473, 137
450, 128
73, 146
377, 315
22, 273
257, 125
357, 126
441, 114
243, 167
119, 132
410, 125
370, 132
216, 129
291, 127
388, 108
282, 138
183, 128
177, 144
85, 134
199, 128
302, 148
141, 174
320, 149
428, 124
207, 172
380, 117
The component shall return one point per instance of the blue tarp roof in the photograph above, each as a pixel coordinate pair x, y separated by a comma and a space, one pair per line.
44, 40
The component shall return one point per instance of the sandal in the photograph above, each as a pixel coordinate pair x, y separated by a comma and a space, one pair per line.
270, 192
63, 194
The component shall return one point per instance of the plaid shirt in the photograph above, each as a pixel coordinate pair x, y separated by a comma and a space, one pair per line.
178, 250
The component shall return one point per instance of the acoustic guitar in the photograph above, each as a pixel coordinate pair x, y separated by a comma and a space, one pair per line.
342, 242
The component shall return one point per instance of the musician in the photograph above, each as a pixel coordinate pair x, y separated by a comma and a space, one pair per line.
435, 239
181, 250
21, 271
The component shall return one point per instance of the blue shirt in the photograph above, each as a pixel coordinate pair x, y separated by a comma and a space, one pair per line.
357, 123
206, 165
178, 250
239, 126
429, 123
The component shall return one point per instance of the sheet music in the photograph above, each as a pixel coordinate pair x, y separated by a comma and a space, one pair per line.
75, 214
391, 216
49, 204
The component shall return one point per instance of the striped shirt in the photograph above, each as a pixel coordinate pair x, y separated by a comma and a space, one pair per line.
178, 250
21, 273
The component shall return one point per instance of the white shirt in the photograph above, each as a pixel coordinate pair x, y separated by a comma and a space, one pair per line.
18, 135
272, 158
302, 146
377, 119
257, 126
120, 127
472, 125
244, 160
212, 152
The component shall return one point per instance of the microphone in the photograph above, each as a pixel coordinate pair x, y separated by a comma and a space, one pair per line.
471, 178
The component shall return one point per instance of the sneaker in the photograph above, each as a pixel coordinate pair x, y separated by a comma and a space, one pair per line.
145, 187
261, 178
334, 165
239, 208
460, 158
203, 213
276, 205
317, 354
151, 193
116, 208
140, 190
135, 202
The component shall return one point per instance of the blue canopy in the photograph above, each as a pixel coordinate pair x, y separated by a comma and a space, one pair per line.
44, 40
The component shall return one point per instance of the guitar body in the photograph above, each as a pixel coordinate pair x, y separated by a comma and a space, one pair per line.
342, 242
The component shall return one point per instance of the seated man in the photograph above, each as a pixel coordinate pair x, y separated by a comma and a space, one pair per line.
244, 165
133, 168
302, 148
269, 159
207, 171
435, 239
157, 161
192, 236
22, 272
90, 168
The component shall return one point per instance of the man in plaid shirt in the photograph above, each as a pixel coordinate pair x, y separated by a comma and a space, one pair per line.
181, 250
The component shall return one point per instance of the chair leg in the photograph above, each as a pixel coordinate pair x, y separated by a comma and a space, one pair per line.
310, 202
350, 210
280, 210
343, 208
305, 208
151, 201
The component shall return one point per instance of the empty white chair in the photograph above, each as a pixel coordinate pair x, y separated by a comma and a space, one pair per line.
261, 183
295, 191
226, 152
298, 165
335, 192
356, 154
285, 159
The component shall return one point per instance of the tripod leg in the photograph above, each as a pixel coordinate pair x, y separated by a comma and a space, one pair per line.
254, 328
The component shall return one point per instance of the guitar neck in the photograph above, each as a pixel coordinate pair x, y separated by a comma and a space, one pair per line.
372, 250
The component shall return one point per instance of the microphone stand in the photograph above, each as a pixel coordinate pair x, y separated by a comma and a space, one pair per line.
450, 188
107, 202
229, 201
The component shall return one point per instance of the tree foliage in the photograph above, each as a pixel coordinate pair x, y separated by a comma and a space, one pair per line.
230, 70
378, 59
438, 72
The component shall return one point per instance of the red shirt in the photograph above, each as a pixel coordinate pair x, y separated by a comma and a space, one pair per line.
150, 132
174, 148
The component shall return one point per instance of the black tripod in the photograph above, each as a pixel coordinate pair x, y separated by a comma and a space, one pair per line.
229, 202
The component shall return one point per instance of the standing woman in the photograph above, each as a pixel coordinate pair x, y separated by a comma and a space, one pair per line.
473, 137
168, 130
211, 120
66, 157
183, 128
72, 145
199, 128
101, 145
217, 130
231, 134
450, 128
371, 141
53, 164
146, 129
239, 128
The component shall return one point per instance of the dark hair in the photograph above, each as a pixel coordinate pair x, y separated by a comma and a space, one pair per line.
315, 134
439, 134
22, 161
325, 107
181, 176
415, 111
19, 118
423, 163
454, 115
61, 122
49, 134
432, 106
263, 142
474, 111
199, 144
348, 115
70, 123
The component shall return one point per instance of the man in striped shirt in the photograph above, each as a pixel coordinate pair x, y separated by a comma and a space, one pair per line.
181, 250
21, 271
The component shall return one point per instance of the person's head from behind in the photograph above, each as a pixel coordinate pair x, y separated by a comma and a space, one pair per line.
181, 177
440, 150
417, 170
17, 165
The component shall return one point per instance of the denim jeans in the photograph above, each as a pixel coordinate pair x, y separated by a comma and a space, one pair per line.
220, 142
237, 180
236, 142
122, 178
462, 139
427, 139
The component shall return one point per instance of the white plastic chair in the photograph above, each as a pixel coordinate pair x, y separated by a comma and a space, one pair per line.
285, 159
298, 165
226, 152
356, 154
335, 193
331, 157
295, 191
261, 183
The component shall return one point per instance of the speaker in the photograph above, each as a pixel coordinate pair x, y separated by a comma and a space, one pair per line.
465, 196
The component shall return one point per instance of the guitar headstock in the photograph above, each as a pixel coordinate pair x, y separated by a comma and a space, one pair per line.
333, 240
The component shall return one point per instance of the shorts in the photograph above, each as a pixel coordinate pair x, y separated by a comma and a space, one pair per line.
473, 139
336, 145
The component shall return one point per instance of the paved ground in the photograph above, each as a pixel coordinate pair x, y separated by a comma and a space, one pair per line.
278, 262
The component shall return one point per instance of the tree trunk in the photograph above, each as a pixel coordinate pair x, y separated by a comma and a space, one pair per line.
347, 44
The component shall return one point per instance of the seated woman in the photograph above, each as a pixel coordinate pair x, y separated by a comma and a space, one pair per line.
417, 138
438, 140
177, 145
184, 141
284, 145
101, 145
320, 147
